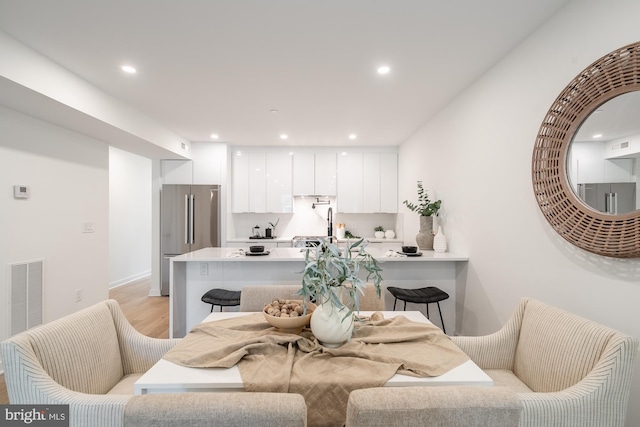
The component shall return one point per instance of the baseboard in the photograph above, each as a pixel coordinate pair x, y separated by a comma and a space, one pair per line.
154, 292
131, 279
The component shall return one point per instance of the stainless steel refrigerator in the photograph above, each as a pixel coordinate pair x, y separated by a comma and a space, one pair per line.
611, 197
189, 220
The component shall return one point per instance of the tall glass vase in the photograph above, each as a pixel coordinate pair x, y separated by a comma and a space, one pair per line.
424, 239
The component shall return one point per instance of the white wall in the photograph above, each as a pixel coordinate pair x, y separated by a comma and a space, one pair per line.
476, 155
129, 217
69, 179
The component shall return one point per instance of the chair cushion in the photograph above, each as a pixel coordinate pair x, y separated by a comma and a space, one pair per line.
125, 385
506, 378
80, 351
557, 349
221, 297
419, 296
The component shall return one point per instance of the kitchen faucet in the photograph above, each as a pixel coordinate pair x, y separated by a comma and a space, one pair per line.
330, 224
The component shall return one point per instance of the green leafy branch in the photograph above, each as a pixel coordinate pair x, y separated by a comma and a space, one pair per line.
425, 207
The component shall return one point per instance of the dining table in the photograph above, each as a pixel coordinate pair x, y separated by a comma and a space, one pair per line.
187, 368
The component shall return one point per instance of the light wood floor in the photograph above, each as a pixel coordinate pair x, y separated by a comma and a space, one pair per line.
149, 315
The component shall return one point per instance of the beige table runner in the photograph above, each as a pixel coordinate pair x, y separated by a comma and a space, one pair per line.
269, 360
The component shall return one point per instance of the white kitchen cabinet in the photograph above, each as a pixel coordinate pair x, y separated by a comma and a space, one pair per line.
257, 181
381, 182
278, 182
325, 173
304, 182
261, 182
368, 183
240, 183
350, 191
314, 174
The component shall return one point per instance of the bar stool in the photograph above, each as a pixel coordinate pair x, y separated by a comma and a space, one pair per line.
426, 296
221, 297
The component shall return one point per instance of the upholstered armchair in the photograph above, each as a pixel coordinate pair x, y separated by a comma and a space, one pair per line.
90, 360
448, 406
566, 370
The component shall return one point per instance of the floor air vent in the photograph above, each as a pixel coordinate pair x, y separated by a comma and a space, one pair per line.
26, 296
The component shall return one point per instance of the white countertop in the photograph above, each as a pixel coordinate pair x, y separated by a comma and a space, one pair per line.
288, 240
297, 254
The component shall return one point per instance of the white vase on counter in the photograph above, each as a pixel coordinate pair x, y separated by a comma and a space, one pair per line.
379, 234
439, 241
389, 234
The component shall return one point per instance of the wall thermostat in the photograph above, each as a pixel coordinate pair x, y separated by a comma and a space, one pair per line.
21, 192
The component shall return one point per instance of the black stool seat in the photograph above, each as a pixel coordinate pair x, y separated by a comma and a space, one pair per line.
426, 296
221, 297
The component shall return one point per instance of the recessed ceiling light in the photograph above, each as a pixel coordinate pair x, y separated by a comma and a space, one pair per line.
129, 69
353, 136
284, 136
597, 135
384, 69
215, 136
274, 111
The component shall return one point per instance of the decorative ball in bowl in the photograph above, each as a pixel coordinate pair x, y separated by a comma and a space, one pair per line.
410, 249
288, 315
256, 249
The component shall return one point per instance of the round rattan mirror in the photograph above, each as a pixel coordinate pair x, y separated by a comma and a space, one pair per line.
604, 234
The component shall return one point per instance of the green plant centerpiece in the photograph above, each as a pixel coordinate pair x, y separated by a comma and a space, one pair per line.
424, 207
333, 278
427, 209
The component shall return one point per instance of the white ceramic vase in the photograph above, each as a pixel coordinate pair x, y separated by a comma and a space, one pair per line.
329, 325
379, 234
389, 234
439, 241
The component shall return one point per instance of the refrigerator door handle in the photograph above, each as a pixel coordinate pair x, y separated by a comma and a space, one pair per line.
187, 219
192, 231
611, 203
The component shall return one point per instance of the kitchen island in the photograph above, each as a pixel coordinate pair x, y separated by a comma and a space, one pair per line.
195, 273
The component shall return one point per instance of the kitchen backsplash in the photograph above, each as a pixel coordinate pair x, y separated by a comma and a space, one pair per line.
307, 221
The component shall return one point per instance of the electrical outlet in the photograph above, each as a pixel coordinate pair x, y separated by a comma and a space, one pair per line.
78, 295
204, 269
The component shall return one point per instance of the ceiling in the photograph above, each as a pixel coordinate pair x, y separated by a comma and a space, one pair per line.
211, 66
615, 119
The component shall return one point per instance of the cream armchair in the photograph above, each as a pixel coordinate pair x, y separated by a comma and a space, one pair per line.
566, 370
90, 360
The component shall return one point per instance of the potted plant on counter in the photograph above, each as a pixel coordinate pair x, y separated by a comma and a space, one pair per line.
427, 209
379, 232
333, 279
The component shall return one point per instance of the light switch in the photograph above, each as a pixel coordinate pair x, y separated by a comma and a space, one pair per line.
88, 227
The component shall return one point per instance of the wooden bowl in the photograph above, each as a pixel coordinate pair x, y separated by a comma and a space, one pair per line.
290, 325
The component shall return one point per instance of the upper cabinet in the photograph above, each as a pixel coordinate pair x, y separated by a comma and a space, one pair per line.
278, 182
265, 180
314, 174
368, 182
350, 197
261, 182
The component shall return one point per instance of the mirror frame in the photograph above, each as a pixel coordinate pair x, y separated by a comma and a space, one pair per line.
609, 235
